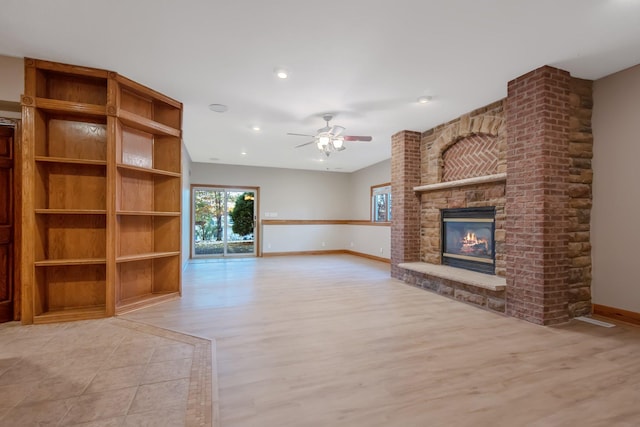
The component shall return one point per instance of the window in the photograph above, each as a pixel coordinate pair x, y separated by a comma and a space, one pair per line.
381, 203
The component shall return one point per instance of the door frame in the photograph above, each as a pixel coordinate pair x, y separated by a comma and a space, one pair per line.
16, 124
256, 234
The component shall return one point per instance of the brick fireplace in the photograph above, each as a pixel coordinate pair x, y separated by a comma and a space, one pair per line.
527, 158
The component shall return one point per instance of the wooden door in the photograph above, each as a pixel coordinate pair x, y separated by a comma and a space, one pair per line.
6, 223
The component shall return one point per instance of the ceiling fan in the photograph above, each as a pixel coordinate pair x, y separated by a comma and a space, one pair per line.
330, 139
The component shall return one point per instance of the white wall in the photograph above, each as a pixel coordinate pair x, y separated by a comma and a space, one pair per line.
303, 238
369, 240
615, 221
11, 85
289, 193
186, 206
11, 78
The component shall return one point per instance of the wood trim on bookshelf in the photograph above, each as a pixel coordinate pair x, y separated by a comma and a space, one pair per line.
69, 315
146, 256
67, 160
146, 125
149, 170
58, 106
66, 68
132, 304
112, 242
147, 213
71, 211
146, 91
27, 215
70, 261
617, 314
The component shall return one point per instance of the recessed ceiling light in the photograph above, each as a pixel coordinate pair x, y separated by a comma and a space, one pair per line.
256, 128
424, 99
218, 108
214, 159
281, 72
244, 153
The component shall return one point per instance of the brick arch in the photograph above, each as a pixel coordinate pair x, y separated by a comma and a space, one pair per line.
470, 156
483, 127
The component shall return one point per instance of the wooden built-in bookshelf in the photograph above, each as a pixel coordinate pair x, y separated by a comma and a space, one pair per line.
102, 200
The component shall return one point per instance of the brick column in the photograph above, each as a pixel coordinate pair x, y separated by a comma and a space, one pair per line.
405, 224
537, 200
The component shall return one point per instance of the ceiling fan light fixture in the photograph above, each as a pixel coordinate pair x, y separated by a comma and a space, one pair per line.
329, 139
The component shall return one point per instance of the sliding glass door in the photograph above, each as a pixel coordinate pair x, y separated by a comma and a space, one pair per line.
224, 222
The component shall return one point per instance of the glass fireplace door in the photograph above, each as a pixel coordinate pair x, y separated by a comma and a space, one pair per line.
468, 238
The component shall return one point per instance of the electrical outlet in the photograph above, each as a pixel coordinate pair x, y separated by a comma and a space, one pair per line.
381, 251
351, 244
323, 245
268, 245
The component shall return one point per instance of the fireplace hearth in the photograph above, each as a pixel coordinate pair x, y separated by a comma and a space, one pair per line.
468, 238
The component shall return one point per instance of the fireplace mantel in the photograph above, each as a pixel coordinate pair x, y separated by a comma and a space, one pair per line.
461, 182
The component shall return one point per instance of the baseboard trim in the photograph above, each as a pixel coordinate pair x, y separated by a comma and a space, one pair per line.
293, 253
617, 314
373, 257
327, 252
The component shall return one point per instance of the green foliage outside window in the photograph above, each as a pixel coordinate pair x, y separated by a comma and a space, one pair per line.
242, 214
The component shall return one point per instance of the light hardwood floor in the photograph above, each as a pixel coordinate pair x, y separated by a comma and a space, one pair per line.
333, 341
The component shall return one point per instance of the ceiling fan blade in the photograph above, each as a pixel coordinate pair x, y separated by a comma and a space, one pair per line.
300, 134
306, 143
336, 130
354, 138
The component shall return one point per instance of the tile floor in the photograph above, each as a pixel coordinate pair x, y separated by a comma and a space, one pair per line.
108, 372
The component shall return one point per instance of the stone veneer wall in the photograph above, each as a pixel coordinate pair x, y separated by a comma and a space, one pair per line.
481, 134
580, 194
542, 132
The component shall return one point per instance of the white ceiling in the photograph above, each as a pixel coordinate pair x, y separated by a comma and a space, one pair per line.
367, 61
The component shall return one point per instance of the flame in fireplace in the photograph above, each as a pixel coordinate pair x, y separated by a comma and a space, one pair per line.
471, 243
